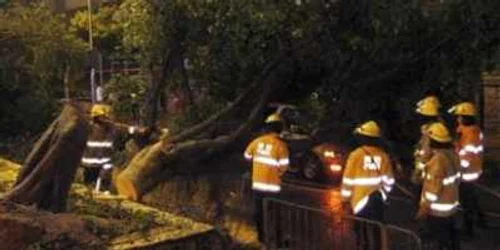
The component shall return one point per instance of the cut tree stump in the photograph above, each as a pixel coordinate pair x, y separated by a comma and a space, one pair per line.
48, 171
141, 172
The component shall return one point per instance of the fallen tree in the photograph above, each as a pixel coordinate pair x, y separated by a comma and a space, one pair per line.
354, 64
180, 154
46, 175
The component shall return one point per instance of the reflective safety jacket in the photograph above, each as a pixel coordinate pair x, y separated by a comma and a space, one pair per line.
470, 150
99, 145
269, 155
422, 153
368, 169
440, 187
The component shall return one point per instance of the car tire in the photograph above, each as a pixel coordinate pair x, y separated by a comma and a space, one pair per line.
312, 168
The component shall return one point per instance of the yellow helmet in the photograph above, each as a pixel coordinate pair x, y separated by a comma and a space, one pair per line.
464, 108
438, 132
369, 128
100, 110
273, 118
428, 106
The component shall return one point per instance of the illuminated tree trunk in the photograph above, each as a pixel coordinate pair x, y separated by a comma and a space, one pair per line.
165, 159
46, 175
181, 155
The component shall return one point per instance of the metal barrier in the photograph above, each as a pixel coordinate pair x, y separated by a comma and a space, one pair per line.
291, 226
400, 238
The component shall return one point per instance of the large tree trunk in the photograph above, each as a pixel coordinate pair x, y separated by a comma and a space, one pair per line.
229, 109
150, 107
47, 174
180, 155
164, 159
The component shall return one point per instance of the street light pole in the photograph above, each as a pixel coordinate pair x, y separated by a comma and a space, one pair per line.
91, 45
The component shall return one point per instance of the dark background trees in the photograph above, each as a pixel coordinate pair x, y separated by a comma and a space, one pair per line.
358, 59
345, 62
36, 51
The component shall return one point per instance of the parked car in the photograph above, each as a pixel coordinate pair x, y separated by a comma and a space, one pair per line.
312, 159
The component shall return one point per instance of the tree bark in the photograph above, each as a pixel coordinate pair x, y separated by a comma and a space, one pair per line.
150, 107
203, 126
67, 70
185, 82
46, 176
164, 159
176, 155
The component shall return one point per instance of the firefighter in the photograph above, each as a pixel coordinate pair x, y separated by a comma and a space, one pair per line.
470, 149
96, 159
439, 196
367, 179
428, 111
270, 159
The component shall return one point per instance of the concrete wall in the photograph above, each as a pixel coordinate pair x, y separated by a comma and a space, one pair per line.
491, 103
491, 114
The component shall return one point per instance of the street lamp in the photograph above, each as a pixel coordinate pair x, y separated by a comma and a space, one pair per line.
91, 45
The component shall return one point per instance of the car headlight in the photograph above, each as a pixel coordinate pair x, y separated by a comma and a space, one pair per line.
329, 154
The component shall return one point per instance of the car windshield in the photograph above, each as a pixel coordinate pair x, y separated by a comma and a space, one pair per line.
297, 120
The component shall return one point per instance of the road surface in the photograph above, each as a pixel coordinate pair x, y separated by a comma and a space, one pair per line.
400, 210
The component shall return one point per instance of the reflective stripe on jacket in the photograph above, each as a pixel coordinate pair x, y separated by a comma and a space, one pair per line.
470, 152
440, 187
368, 169
269, 155
99, 145
423, 151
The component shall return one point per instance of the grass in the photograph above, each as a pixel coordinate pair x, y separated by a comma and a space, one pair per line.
105, 220
119, 220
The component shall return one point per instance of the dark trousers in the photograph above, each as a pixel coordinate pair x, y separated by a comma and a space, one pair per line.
258, 197
90, 175
444, 231
368, 235
106, 177
470, 204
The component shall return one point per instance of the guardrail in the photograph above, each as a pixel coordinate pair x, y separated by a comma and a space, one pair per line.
292, 226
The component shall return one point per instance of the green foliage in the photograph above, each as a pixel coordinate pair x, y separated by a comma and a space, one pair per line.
364, 61
370, 60
125, 28
227, 43
36, 47
192, 115
104, 30
134, 20
42, 39
127, 221
125, 93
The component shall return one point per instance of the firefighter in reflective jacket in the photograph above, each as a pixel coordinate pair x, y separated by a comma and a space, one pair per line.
470, 150
96, 159
439, 197
269, 155
428, 111
368, 177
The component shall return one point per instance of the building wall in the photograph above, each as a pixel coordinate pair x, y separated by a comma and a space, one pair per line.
491, 114
491, 103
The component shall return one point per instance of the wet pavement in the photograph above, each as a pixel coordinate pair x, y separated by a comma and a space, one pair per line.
400, 210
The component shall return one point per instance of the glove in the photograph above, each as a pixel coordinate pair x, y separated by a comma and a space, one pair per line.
422, 212
138, 130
